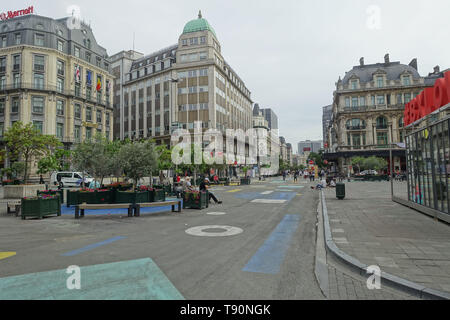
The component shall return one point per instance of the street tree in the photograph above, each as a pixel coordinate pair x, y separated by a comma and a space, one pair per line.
24, 142
138, 160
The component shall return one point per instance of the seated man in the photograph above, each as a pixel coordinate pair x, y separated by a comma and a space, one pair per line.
203, 188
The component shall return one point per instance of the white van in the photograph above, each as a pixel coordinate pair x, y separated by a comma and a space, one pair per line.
69, 179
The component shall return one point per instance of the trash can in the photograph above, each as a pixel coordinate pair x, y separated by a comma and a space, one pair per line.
340, 191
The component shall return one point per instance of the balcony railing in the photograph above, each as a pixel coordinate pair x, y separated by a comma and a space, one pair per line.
52, 88
356, 127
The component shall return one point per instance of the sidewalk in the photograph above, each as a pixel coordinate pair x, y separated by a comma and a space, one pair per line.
371, 228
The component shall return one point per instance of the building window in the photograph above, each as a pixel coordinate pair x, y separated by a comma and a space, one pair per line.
60, 130
4, 42
89, 93
39, 63
399, 98
60, 107
39, 40
77, 90
2, 128
16, 80
18, 38
193, 41
354, 84
184, 42
99, 116
77, 52
39, 81
15, 102
381, 123
406, 81
380, 82
362, 101
407, 97
16, 63
37, 105
203, 40
77, 111
88, 57
354, 102
2, 106
381, 100
60, 45
88, 114
107, 119
401, 122
88, 133
382, 139
203, 55
60, 68
60, 85
77, 133
203, 72
3, 64
38, 125
347, 102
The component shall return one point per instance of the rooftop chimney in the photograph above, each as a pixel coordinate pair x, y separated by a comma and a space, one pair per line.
361, 61
437, 69
386, 58
413, 63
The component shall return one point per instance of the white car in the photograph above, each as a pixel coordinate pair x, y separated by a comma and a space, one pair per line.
368, 172
69, 179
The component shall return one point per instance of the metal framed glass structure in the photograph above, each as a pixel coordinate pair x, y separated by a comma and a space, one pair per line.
428, 160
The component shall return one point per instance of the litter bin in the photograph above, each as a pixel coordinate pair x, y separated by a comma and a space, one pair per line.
340, 191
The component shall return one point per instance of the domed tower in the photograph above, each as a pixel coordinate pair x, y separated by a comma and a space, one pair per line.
198, 42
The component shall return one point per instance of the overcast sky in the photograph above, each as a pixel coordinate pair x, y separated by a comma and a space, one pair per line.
290, 53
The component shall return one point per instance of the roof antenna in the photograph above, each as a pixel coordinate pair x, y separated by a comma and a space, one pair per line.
200, 14
134, 36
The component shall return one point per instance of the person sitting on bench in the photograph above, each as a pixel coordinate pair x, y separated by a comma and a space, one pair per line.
203, 188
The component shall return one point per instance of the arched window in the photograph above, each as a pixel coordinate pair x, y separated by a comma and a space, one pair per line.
5, 28
401, 123
381, 123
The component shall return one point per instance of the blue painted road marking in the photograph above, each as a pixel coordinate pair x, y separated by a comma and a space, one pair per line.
92, 246
288, 196
126, 280
270, 256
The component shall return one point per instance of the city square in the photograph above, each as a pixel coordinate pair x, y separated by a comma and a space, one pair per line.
202, 162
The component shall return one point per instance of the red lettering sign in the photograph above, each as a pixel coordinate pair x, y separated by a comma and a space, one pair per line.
18, 13
429, 100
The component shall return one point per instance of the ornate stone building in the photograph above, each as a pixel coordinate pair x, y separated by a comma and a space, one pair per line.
368, 109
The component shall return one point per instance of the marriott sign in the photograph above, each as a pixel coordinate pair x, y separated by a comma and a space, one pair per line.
18, 13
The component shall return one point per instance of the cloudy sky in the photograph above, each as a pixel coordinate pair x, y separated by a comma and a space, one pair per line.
290, 53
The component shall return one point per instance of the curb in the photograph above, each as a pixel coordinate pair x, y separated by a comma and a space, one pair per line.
386, 278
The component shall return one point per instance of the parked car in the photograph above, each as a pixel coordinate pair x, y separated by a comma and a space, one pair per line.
69, 179
368, 172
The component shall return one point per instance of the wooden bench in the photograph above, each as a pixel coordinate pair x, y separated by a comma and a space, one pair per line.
79, 209
138, 206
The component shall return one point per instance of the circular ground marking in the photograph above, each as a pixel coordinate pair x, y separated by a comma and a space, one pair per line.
216, 213
214, 231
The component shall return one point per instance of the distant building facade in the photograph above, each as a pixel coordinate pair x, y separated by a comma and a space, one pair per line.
368, 111
309, 146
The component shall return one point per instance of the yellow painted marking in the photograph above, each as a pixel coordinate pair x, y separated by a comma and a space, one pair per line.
4, 255
235, 190
299, 194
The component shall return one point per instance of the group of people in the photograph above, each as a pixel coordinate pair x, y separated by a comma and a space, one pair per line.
186, 185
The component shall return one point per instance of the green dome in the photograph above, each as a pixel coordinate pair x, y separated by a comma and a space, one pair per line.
197, 25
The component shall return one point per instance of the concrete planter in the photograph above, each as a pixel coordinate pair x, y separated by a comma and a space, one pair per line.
22, 191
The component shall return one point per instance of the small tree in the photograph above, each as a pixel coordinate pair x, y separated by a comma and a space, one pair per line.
358, 162
25, 142
138, 160
374, 163
83, 158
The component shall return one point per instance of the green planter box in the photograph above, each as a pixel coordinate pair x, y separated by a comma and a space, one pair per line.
157, 195
52, 193
245, 181
190, 202
131, 197
72, 198
167, 188
39, 208
95, 197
